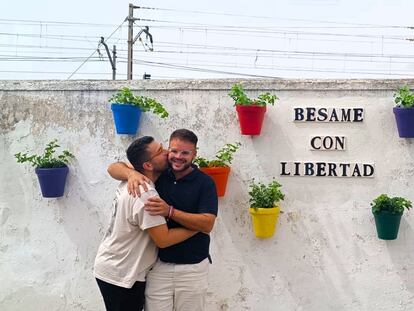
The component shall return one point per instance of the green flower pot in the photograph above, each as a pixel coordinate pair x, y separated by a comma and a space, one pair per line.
387, 224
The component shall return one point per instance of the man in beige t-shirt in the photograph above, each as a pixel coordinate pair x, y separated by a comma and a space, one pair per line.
129, 247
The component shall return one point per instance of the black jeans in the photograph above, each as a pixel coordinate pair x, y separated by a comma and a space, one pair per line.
118, 298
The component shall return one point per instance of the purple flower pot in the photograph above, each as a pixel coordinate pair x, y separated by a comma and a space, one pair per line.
405, 121
52, 181
126, 118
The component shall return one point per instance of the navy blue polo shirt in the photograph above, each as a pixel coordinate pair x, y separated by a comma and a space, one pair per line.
193, 193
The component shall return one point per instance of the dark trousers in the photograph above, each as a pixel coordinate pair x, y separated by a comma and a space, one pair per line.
118, 298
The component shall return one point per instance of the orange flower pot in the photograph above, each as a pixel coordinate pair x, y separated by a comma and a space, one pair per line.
220, 176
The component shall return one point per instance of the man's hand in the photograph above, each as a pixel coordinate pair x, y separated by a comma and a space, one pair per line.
135, 179
126, 172
156, 206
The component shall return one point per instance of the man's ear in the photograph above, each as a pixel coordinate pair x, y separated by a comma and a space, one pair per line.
147, 166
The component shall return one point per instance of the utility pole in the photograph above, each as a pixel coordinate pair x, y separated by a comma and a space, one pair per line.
112, 59
130, 43
132, 40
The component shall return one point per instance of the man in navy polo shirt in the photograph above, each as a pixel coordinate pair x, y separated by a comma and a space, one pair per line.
188, 199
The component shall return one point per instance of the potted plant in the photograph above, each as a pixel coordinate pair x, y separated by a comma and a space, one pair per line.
219, 167
264, 207
127, 107
250, 112
404, 112
50, 169
387, 213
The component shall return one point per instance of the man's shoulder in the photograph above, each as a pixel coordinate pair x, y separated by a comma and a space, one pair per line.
124, 196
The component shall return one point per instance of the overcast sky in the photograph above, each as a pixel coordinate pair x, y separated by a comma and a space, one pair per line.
209, 39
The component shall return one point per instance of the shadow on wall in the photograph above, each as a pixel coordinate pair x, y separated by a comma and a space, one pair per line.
312, 275
401, 252
80, 216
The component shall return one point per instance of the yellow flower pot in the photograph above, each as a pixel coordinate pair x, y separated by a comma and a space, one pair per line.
264, 221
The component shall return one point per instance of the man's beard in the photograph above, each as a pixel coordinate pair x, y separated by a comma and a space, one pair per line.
184, 166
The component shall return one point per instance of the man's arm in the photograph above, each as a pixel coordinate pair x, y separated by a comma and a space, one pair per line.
164, 237
125, 172
200, 222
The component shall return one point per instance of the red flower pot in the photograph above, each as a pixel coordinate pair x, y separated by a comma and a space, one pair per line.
250, 118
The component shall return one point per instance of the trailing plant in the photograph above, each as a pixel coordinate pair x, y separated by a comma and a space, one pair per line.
265, 196
125, 96
240, 98
48, 159
404, 97
394, 205
223, 157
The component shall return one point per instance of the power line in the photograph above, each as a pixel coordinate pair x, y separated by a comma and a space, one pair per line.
251, 29
178, 66
47, 59
55, 72
308, 58
45, 47
256, 51
280, 35
267, 67
20, 52
191, 68
275, 18
56, 23
50, 37
283, 34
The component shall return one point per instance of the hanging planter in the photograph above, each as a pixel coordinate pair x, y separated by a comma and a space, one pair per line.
264, 208
220, 176
51, 170
404, 112
387, 214
250, 119
250, 112
405, 121
264, 221
219, 169
52, 181
126, 109
126, 118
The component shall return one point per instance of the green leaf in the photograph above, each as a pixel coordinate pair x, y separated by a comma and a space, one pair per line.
240, 98
223, 157
265, 196
404, 97
394, 205
47, 159
125, 96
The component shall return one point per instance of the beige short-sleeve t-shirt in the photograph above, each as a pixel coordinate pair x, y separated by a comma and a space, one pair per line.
127, 252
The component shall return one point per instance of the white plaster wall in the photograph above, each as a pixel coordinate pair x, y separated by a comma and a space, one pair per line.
325, 254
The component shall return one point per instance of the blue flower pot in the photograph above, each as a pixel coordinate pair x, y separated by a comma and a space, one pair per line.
126, 118
405, 121
52, 181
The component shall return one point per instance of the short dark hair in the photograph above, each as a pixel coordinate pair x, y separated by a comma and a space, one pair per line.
137, 152
185, 135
